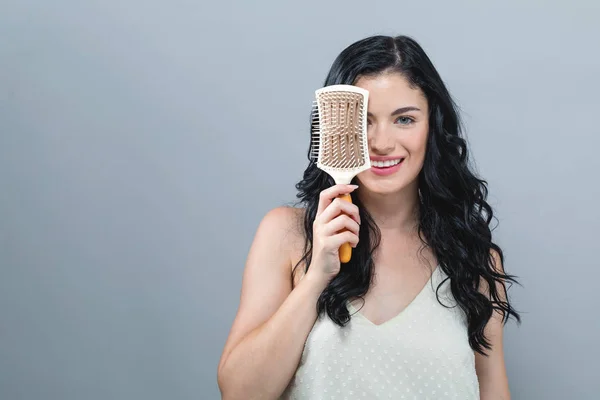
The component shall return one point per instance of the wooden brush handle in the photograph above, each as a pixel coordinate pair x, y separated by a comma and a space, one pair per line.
346, 249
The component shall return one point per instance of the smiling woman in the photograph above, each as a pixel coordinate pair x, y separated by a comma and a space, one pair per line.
418, 312
397, 129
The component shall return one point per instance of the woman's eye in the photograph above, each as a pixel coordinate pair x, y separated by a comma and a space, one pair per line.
404, 120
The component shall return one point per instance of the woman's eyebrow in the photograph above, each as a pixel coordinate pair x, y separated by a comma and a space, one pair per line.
401, 110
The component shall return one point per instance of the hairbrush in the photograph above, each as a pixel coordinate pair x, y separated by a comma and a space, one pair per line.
339, 137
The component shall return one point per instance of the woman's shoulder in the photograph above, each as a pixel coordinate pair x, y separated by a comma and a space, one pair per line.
284, 225
283, 221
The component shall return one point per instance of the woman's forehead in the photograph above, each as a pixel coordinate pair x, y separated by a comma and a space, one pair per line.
390, 91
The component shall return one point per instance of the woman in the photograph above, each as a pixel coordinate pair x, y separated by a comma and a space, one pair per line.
418, 312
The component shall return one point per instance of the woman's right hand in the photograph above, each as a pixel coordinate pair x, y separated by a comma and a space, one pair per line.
337, 222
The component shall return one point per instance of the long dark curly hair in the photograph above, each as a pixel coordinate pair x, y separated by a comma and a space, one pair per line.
454, 216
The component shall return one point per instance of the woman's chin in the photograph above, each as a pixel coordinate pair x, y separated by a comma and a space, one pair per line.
381, 188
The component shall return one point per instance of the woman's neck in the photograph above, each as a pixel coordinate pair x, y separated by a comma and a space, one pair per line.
393, 212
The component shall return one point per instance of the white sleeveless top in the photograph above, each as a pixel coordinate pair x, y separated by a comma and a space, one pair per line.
422, 353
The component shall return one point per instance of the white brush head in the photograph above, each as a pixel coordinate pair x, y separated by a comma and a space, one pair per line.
340, 131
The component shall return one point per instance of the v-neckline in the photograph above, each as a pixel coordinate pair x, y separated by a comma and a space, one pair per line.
355, 311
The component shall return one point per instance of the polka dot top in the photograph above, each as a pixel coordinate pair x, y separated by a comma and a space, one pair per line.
422, 353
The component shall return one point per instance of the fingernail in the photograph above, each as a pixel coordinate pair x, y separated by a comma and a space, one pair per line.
353, 186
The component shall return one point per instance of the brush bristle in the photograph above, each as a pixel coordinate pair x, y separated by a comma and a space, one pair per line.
339, 141
314, 139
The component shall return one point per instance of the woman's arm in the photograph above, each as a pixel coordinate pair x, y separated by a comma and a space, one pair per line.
273, 321
491, 370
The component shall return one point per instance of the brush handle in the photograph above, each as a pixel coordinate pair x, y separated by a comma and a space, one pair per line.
346, 249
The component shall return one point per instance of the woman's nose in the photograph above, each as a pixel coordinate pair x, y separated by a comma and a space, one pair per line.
380, 140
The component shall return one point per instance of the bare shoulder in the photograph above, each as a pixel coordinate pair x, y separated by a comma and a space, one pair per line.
268, 264
283, 219
497, 261
283, 226
498, 267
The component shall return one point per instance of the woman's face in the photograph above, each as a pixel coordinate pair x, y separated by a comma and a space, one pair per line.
397, 127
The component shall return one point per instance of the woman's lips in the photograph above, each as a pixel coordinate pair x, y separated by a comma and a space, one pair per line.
383, 171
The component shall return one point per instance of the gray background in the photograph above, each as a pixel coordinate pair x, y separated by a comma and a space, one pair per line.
141, 142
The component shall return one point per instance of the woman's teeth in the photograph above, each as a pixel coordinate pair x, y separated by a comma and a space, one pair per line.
384, 164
